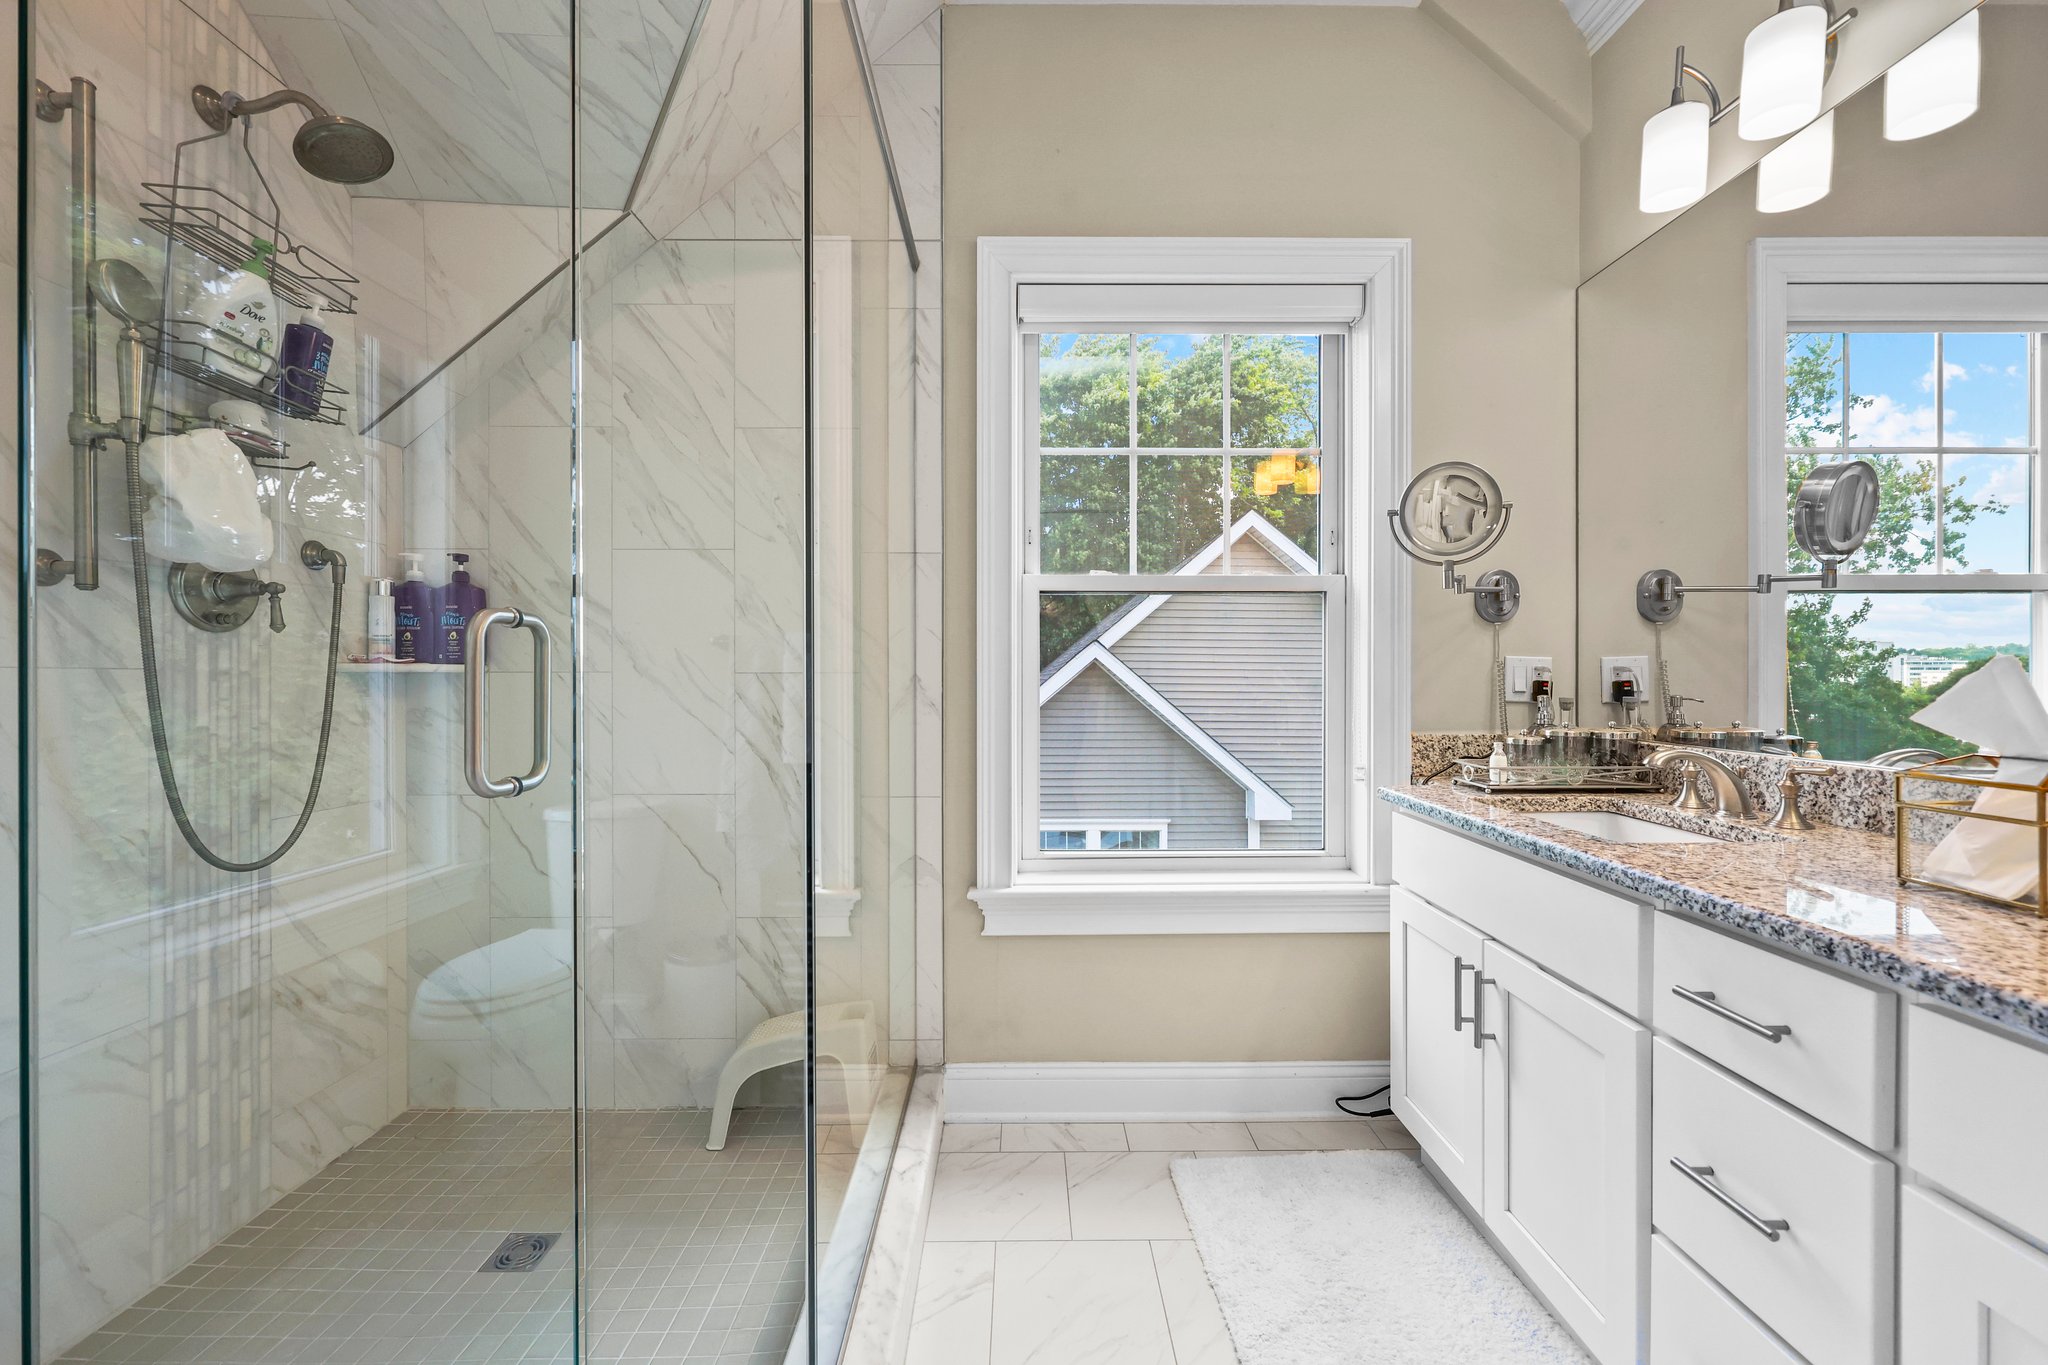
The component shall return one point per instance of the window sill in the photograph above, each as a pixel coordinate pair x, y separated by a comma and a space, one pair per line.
1342, 904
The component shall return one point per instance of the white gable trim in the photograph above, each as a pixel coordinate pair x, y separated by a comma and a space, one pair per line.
1260, 529
1261, 802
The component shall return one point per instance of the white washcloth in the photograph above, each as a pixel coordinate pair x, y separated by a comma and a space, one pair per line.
207, 509
1996, 709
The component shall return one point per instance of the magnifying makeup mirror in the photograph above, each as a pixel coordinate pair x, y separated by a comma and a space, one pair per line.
1832, 514
1450, 514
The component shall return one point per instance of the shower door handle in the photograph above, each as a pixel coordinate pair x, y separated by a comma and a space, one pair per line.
476, 714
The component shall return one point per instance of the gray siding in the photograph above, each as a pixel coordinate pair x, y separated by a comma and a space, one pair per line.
1249, 670
1105, 758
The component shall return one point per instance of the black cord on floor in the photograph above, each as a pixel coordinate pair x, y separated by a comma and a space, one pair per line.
1343, 1100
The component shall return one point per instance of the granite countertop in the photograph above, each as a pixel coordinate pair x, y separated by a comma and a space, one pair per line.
1828, 893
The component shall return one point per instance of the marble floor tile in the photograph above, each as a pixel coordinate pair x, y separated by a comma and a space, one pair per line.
1122, 1196
1189, 1137
999, 1196
1192, 1315
1394, 1135
972, 1137
1315, 1135
1078, 1303
955, 1298
1064, 1137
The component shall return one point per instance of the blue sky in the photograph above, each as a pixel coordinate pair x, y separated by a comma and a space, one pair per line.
1981, 396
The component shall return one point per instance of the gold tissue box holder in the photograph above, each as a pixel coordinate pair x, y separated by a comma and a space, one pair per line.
1946, 796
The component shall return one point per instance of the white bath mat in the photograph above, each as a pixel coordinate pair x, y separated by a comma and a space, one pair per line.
1357, 1258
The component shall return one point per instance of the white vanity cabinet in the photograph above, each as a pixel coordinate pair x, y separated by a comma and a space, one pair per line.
1436, 1061
1564, 1190
1703, 1150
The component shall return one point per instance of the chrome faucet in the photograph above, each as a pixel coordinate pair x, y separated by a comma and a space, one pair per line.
1730, 796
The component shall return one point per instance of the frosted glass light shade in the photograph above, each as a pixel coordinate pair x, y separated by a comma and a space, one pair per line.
1935, 86
1674, 158
1784, 64
1798, 172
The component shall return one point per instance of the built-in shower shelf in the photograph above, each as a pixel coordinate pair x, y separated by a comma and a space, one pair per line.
386, 666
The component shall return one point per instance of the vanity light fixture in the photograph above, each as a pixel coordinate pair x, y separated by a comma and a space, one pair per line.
1675, 140
1935, 86
1832, 515
1800, 170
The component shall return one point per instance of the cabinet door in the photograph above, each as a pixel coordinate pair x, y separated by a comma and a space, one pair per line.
1967, 1292
1566, 1119
1437, 1067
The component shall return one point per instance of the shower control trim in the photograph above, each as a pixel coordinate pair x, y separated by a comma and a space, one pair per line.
476, 689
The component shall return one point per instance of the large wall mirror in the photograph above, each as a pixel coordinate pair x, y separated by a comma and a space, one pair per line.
1900, 319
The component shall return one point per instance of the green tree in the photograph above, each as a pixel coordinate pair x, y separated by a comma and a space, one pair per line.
1087, 481
1837, 689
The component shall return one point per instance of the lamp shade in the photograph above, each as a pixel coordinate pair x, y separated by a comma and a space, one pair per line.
1799, 171
1674, 158
1934, 87
1784, 65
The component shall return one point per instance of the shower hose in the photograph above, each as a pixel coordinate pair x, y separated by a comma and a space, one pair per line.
137, 500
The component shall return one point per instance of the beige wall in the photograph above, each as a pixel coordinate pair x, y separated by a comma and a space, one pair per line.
1213, 121
1632, 81
1664, 343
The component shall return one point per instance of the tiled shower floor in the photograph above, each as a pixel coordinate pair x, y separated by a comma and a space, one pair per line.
695, 1256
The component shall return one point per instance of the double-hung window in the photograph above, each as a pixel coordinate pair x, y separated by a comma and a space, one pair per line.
1940, 388
1179, 605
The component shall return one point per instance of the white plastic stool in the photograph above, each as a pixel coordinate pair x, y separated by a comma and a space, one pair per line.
846, 1035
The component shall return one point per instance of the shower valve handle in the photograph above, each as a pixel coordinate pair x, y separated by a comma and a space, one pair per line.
275, 591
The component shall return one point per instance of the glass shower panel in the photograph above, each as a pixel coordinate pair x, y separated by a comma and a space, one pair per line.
302, 914
11, 922
864, 855
691, 554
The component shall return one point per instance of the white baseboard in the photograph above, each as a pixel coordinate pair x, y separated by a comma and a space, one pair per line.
1080, 1092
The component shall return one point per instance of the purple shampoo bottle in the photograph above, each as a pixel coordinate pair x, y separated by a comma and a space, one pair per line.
460, 600
413, 610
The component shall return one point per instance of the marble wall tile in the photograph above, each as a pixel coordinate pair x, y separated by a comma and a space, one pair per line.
674, 920
769, 324
888, 23
668, 1073
910, 108
308, 1135
768, 193
673, 672
673, 459
772, 969
326, 1023
770, 794
699, 272
770, 528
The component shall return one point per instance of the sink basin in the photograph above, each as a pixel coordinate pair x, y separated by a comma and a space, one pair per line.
1616, 828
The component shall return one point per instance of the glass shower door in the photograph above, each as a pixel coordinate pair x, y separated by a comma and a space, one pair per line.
301, 904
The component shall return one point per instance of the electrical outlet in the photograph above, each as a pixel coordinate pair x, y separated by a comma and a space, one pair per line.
1522, 671
1633, 667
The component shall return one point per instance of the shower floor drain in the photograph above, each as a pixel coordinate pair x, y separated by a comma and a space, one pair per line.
521, 1251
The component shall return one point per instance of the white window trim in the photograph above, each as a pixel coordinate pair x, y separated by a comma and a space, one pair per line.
1777, 264
1376, 412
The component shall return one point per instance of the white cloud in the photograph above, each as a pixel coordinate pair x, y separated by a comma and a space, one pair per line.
1932, 620
1951, 372
1884, 421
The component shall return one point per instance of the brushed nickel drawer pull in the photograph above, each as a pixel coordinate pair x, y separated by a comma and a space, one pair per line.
1459, 966
1776, 1033
1480, 1037
1702, 1176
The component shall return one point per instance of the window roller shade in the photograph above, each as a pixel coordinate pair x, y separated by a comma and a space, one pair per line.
1155, 307
1917, 307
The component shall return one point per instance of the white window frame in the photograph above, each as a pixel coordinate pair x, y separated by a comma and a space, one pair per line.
1783, 266
1342, 891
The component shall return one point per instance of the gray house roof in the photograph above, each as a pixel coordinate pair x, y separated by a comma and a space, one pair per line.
1148, 671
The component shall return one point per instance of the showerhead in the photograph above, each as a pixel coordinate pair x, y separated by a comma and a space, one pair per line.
341, 149
333, 147
125, 292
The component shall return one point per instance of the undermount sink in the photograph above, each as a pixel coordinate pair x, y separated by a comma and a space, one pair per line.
1617, 828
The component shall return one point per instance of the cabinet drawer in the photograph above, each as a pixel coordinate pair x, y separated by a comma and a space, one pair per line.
1839, 1058
1592, 938
1976, 1106
1967, 1292
1694, 1321
1824, 1283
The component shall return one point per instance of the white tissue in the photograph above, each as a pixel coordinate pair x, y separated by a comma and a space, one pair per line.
207, 510
1997, 709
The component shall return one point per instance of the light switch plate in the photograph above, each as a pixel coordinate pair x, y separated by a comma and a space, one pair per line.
1522, 670
1613, 666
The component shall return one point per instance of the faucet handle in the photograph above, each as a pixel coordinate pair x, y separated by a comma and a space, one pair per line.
1788, 816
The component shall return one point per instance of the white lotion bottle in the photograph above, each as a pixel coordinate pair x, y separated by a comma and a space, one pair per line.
381, 634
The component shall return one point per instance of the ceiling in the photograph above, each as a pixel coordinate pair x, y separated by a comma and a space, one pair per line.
474, 93
1598, 19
